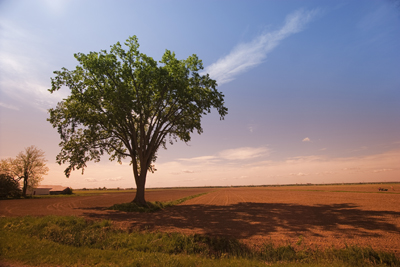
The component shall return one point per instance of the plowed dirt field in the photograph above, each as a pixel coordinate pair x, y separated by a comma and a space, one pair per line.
320, 216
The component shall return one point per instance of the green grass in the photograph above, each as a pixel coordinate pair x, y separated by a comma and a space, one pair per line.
81, 193
73, 241
89, 192
101, 192
151, 206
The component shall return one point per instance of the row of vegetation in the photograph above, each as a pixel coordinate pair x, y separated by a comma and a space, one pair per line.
73, 241
150, 206
10, 188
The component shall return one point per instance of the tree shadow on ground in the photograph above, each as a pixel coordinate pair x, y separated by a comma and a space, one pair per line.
244, 220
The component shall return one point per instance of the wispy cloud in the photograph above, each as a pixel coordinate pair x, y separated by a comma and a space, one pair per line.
306, 139
298, 174
8, 106
243, 153
252, 127
249, 166
247, 55
382, 170
24, 67
199, 159
119, 178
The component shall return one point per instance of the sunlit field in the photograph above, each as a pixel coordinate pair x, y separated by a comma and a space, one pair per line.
315, 224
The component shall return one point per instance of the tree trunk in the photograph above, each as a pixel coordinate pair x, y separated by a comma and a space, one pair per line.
140, 188
24, 187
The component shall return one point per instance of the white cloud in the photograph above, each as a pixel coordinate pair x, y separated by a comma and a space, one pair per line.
119, 178
199, 159
298, 174
306, 139
243, 153
23, 66
301, 160
252, 127
8, 106
91, 180
187, 171
382, 170
353, 169
259, 170
247, 55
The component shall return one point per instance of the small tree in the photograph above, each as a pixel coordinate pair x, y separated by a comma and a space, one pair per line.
28, 168
124, 104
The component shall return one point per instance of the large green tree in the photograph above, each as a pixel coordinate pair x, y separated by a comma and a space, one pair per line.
125, 104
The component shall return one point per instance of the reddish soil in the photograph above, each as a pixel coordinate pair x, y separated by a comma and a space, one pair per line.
321, 217
87, 205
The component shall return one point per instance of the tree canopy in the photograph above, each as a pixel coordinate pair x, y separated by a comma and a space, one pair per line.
28, 166
123, 103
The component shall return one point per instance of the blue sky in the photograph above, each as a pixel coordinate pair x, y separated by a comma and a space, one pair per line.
312, 87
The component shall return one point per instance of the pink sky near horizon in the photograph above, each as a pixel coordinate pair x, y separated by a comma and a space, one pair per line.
215, 171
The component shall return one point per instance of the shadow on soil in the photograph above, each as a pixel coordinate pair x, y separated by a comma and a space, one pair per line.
244, 220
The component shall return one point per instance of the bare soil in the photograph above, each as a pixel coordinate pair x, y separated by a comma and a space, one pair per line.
320, 216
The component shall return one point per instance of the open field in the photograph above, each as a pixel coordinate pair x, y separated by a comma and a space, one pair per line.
319, 216
95, 203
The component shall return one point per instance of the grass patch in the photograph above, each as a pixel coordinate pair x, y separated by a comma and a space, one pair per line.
81, 193
73, 241
77, 193
151, 206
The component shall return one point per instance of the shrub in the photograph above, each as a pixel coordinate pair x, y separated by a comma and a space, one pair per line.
9, 187
67, 191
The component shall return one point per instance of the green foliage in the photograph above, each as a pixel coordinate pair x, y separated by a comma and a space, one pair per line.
150, 206
134, 207
9, 187
42, 252
126, 105
67, 241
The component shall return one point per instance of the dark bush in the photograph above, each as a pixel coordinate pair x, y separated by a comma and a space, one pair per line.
9, 187
67, 191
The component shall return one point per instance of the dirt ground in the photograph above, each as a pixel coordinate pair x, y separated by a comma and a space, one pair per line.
320, 216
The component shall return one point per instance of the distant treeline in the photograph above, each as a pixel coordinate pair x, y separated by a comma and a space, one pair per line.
276, 185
